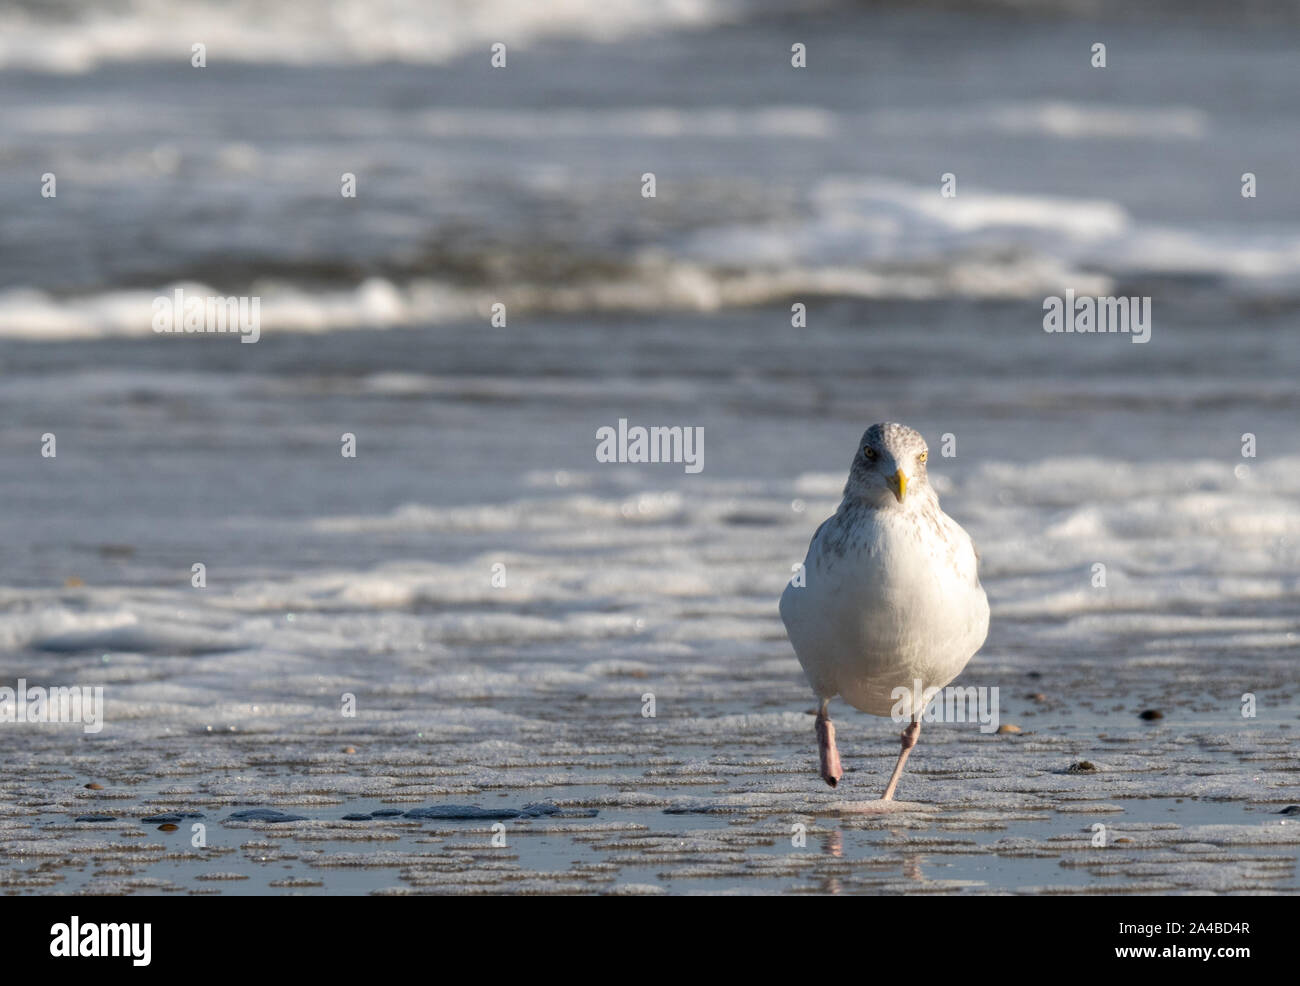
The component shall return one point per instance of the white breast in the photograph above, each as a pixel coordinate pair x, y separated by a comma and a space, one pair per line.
891, 597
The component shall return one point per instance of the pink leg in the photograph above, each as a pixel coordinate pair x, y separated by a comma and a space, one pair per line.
910, 735
828, 756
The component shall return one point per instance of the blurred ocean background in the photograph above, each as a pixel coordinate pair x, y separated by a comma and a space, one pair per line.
476, 442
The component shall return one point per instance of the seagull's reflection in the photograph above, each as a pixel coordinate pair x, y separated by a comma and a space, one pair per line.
912, 868
833, 846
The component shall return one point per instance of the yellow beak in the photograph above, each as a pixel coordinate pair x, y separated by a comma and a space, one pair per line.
899, 483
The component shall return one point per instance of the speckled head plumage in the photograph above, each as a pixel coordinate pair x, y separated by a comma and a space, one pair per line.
888, 468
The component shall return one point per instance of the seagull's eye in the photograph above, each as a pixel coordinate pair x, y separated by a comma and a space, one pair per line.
869, 454
923, 456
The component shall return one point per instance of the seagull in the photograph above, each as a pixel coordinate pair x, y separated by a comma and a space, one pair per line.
889, 596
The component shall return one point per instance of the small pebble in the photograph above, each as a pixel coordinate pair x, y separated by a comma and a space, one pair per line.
1007, 727
167, 827
349, 749
92, 786
1123, 838
1036, 697
72, 582
1082, 767
1149, 714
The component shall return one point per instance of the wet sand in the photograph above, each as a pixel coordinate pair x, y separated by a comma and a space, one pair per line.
696, 800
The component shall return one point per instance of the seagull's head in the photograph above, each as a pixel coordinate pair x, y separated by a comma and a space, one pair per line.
889, 467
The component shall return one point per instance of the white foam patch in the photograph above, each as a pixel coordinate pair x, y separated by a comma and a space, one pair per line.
1077, 121
610, 595
341, 32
